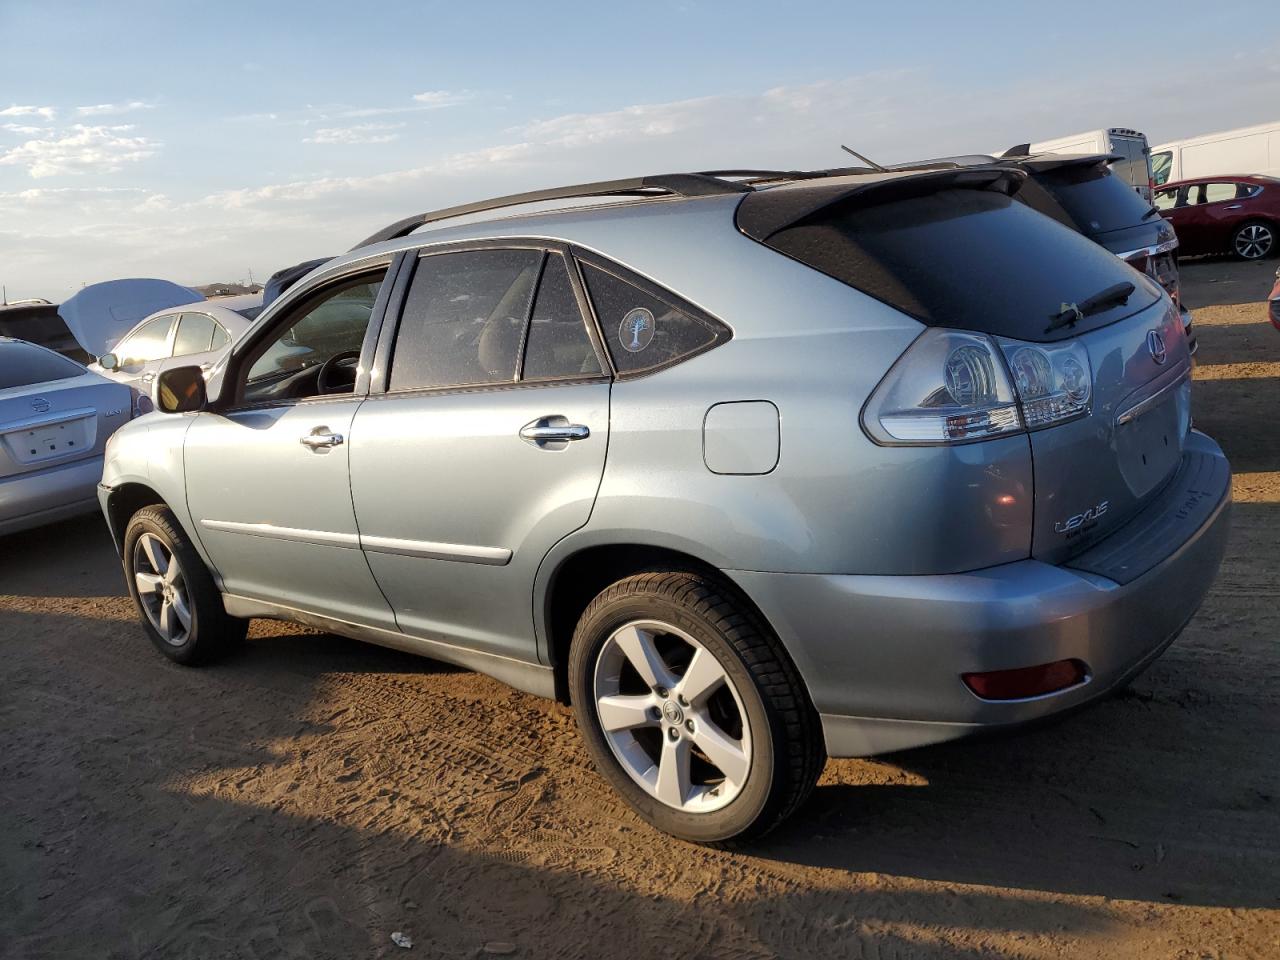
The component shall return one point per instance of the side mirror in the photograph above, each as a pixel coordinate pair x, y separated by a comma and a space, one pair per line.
180, 390
108, 361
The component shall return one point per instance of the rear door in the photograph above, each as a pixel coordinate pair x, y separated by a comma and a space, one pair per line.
482, 443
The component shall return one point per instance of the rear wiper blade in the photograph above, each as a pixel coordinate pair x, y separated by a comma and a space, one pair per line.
1153, 212
1074, 312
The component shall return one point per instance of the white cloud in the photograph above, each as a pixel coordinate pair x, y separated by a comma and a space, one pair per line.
21, 128
82, 149
14, 110
359, 133
110, 109
435, 99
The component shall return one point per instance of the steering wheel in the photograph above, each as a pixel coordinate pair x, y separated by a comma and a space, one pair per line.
338, 373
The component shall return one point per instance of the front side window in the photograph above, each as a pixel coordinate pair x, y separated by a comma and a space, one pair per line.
195, 334
317, 350
557, 344
1161, 166
1167, 199
1195, 195
149, 342
642, 330
463, 319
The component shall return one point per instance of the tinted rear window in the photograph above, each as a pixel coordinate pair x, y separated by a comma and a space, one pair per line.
22, 364
966, 259
1096, 200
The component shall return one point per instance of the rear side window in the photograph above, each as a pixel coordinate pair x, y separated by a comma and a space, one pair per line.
557, 344
195, 334
463, 319
1217, 192
22, 364
643, 330
967, 259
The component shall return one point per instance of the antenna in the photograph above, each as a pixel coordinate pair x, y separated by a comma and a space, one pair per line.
870, 163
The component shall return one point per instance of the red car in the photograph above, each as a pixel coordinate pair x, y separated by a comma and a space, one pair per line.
1239, 215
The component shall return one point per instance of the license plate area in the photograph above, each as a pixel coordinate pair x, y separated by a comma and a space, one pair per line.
1149, 446
37, 443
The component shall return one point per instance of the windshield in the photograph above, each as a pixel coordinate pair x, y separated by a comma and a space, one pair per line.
1096, 200
1161, 166
24, 364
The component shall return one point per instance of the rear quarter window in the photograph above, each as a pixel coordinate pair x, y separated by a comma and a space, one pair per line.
644, 329
24, 365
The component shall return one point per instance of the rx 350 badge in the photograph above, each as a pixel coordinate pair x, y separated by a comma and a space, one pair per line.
636, 330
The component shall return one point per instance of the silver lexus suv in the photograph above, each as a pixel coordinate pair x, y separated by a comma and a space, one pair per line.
752, 468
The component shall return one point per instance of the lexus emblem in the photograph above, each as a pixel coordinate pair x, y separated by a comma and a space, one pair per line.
1155, 344
39, 404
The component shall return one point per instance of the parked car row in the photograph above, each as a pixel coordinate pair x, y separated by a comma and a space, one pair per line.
752, 468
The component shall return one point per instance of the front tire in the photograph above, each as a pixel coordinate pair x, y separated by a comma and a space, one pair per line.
691, 709
177, 600
1254, 240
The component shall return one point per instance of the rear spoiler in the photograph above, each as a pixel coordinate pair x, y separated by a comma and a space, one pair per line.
763, 213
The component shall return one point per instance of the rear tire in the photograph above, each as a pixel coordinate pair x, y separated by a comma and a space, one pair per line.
1255, 240
177, 600
733, 758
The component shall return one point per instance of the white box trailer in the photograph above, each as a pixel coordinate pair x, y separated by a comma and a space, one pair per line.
1134, 165
1247, 150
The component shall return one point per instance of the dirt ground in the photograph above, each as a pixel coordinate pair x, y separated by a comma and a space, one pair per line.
312, 796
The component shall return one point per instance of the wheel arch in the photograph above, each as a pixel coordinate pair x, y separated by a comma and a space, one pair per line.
573, 579
123, 501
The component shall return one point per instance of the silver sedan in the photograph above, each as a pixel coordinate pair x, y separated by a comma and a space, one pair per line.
55, 418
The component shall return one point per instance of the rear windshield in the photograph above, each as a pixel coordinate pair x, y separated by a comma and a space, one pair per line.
1132, 168
966, 259
1096, 200
22, 364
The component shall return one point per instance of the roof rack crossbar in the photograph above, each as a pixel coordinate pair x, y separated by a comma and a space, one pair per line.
671, 184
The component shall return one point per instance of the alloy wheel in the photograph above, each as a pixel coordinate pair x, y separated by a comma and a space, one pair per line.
1254, 241
672, 716
162, 589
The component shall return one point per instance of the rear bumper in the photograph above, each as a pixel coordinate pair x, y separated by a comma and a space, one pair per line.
44, 496
882, 656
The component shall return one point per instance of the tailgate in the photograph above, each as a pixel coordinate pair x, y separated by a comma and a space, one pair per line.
1095, 473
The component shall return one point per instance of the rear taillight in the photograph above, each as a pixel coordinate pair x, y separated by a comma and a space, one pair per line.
1026, 682
952, 386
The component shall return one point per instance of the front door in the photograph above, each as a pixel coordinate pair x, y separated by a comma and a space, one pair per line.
486, 448
268, 480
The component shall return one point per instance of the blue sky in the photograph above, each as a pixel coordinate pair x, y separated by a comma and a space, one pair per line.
197, 142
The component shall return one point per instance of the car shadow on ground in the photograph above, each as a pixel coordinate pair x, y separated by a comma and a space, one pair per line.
34, 563
1220, 280
249, 812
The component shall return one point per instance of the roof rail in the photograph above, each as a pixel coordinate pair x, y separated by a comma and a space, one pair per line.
670, 184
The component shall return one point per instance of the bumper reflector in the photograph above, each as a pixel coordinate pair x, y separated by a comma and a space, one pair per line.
1026, 681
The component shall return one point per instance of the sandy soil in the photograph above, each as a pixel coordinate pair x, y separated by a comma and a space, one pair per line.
312, 796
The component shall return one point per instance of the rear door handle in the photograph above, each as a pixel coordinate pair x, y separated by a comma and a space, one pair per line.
321, 439
553, 430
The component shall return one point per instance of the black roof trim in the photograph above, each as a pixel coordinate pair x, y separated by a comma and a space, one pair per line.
764, 212
671, 184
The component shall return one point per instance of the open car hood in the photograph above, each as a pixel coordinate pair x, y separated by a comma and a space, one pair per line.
100, 314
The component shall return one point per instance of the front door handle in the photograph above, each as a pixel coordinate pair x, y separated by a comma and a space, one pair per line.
1235, 206
321, 439
556, 429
